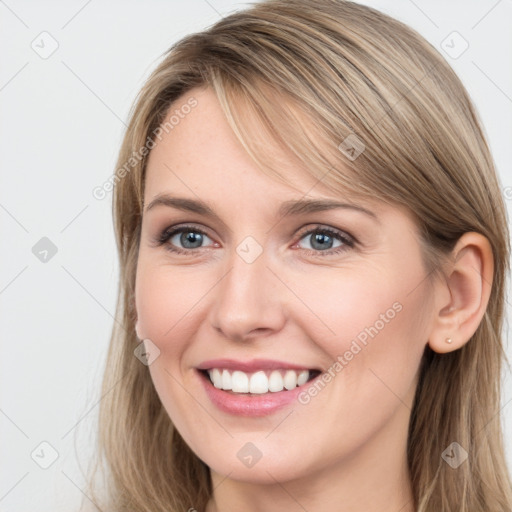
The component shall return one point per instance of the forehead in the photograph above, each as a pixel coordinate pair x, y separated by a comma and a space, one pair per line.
201, 158
200, 152
202, 142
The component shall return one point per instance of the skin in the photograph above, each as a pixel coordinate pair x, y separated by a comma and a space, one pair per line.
346, 449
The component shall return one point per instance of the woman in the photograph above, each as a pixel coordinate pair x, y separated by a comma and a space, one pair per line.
313, 251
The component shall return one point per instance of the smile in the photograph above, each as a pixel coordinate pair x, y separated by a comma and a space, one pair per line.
259, 382
254, 393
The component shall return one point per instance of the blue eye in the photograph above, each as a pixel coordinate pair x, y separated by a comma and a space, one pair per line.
189, 236
321, 239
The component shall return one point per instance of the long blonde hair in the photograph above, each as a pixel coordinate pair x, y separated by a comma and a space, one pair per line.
314, 72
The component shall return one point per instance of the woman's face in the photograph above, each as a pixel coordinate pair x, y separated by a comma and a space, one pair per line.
243, 283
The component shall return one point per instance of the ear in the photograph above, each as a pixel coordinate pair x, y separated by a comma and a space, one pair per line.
462, 298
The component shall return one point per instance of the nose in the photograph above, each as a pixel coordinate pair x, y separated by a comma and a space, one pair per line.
248, 301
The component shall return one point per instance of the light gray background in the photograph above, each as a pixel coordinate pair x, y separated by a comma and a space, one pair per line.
62, 120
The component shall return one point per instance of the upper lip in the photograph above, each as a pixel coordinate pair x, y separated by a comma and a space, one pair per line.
250, 366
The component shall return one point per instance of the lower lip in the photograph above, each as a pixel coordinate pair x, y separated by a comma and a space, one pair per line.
245, 404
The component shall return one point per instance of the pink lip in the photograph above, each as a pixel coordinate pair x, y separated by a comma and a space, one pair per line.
250, 366
247, 404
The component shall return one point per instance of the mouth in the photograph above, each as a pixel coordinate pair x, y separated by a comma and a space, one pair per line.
258, 387
259, 382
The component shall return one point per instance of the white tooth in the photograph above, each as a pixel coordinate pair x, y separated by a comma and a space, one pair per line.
303, 377
290, 380
240, 382
275, 383
258, 383
226, 380
217, 378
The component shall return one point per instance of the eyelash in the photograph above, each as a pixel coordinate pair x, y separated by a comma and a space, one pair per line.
349, 242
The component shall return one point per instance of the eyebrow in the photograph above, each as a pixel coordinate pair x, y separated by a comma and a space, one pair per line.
287, 208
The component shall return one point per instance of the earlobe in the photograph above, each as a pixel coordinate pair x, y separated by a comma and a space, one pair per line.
461, 300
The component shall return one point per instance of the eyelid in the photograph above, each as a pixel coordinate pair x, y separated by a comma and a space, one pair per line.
163, 236
176, 228
301, 231
348, 240
329, 229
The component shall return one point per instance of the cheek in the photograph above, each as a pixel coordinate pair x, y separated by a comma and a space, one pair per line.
379, 337
165, 301
372, 328
340, 306
382, 299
